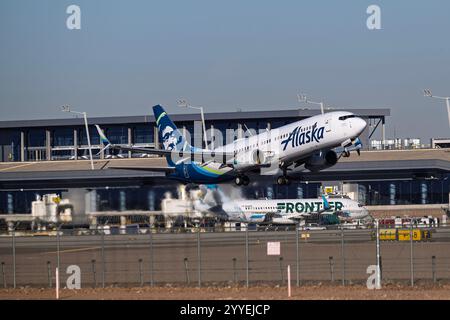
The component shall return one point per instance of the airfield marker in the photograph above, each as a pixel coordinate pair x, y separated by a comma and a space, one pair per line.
289, 280
57, 283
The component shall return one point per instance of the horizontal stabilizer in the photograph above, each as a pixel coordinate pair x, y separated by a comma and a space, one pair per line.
156, 169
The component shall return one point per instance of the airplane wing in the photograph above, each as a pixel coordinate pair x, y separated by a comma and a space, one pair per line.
297, 216
210, 155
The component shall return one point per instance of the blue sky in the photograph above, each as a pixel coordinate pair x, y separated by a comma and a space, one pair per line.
224, 55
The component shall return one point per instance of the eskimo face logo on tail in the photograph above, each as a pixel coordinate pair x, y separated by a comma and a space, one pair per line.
300, 136
169, 138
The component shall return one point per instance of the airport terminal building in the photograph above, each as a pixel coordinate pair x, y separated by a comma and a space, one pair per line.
43, 156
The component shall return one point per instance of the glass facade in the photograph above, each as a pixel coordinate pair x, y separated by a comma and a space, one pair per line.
131, 198
149, 198
17, 202
93, 135
9, 145
279, 123
404, 192
116, 134
227, 128
189, 133
144, 133
36, 137
62, 136
274, 191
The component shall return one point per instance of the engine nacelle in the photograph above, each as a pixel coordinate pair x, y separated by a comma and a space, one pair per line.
253, 158
321, 160
257, 157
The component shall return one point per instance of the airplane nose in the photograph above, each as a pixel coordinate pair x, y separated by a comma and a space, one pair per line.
359, 124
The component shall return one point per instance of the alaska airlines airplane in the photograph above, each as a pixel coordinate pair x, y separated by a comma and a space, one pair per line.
316, 142
290, 211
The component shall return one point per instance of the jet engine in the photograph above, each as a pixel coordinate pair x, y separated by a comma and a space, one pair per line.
257, 157
321, 160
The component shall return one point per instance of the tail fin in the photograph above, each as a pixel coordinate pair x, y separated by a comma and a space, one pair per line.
103, 139
169, 135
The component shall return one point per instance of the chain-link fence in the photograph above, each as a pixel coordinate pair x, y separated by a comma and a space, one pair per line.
200, 258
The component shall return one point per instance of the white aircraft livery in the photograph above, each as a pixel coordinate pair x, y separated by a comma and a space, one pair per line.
290, 211
316, 142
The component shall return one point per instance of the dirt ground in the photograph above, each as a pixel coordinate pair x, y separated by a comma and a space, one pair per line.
308, 292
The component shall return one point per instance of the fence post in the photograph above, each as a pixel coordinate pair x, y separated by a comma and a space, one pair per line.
433, 268
343, 255
151, 255
14, 257
94, 271
49, 274
289, 280
331, 261
411, 252
246, 256
199, 260
186, 269
58, 261
141, 280
3, 275
297, 256
103, 258
381, 267
281, 270
378, 279
234, 270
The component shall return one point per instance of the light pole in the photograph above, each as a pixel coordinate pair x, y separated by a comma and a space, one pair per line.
428, 93
67, 109
302, 98
184, 104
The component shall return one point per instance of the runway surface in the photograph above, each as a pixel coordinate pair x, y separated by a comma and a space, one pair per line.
129, 260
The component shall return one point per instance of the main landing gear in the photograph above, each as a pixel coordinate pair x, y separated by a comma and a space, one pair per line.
283, 180
242, 180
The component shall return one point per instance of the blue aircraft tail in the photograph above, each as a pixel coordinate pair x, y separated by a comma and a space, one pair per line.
326, 205
169, 135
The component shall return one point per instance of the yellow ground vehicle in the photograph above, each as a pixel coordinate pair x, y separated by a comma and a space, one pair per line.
404, 234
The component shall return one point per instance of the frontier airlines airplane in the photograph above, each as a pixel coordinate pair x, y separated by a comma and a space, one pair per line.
289, 211
316, 142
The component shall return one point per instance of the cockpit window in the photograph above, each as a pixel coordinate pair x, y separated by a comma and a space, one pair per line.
347, 117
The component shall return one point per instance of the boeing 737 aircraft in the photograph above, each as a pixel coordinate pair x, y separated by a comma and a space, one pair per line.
289, 211
316, 142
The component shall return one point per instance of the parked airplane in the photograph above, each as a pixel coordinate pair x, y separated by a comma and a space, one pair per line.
316, 142
288, 211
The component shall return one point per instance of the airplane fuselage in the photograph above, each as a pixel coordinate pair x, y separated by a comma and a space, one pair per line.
290, 210
284, 145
